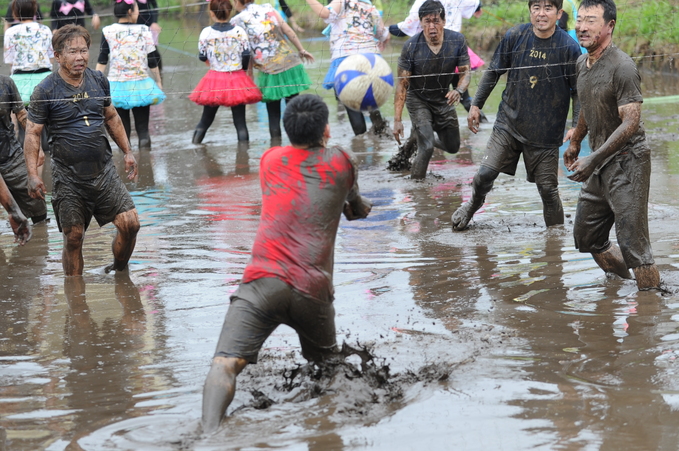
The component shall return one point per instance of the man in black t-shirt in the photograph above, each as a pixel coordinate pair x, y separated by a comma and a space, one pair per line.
12, 164
539, 59
426, 69
76, 104
616, 175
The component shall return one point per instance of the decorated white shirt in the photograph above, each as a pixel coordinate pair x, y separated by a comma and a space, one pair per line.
456, 10
28, 47
223, 49
270, 51
129, 46
357, 28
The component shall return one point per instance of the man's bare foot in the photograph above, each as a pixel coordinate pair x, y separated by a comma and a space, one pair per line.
463, 216
115, 266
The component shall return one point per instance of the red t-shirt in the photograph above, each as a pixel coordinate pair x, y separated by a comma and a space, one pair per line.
303, 195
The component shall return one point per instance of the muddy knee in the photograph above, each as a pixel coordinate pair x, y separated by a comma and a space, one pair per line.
551, 202
73, 237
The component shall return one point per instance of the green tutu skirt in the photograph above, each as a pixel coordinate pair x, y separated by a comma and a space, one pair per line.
26, 83
286, 84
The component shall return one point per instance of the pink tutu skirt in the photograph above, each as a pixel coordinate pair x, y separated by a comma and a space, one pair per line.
475, 61
226, 89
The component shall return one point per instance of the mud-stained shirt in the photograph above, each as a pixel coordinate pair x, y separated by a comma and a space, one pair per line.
303, 195
357, 28
271, 52
10, 102
541, 79
612, 81
75, 117
28, 47
129, 46
432, 73
223, 46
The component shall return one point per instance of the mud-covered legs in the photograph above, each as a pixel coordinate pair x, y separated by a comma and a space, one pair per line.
481, 186
219, 389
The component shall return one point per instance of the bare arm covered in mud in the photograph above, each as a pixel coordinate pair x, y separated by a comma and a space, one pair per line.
19, 223
455, 96
584, 167
115, 128
36, 188
21, 118
486, 85
576, 116
356, 206
579, 133
400, 101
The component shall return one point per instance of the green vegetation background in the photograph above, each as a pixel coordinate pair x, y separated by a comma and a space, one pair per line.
645, 27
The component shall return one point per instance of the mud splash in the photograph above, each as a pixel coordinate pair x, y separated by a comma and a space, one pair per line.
360, 383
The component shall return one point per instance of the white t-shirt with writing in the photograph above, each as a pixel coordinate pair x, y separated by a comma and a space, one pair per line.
28, 47
129, 46
223, 49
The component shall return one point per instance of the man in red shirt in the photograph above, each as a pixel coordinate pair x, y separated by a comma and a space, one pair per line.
305, 189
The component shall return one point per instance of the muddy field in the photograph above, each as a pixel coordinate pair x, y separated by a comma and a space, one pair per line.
500, 337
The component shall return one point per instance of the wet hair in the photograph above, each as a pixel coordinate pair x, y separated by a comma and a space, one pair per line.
66, 34
305, 119
430, 7
121, 8
221, 9
610, 10
558, 4
24, 9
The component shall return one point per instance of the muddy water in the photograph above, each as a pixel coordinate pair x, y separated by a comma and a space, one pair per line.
500, 337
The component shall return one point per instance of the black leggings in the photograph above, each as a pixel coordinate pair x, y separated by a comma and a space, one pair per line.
141, 120
238, 113
273, 108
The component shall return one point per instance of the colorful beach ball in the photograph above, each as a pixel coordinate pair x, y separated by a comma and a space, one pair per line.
364, 82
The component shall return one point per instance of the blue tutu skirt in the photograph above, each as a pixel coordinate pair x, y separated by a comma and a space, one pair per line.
329, 81
134, 93
27, 82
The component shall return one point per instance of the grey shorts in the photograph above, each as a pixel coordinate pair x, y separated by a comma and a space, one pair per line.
503, 152
258, 307
16, 178
75, 201
618, 195
423, 114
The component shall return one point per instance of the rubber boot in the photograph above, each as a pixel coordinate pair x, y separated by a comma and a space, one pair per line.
198, 135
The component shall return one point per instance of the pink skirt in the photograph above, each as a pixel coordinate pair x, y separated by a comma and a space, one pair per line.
475, 61
226, 89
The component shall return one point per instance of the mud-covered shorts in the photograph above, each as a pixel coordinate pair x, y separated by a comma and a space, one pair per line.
503, 152
14, 173
424, 115
258, 307
618, 195
75, 201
